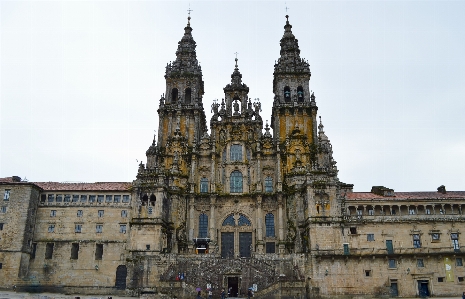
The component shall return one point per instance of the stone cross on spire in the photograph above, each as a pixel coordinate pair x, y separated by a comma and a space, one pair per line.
189, 15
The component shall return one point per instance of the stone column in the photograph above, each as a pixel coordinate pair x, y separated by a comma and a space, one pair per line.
191, 218
259, 225
212, 217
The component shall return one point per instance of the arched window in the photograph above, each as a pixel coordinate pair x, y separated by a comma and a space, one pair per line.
203, 225
268, 184
287, 94
229, 221
269, 224
236, 152
145, 200
235, 181
174, 95
244, 221
203, 185
187, 95
300, 94
152, 200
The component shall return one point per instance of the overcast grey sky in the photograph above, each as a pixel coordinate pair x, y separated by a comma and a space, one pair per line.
81, 81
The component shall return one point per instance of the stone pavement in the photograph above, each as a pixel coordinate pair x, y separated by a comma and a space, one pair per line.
18, 295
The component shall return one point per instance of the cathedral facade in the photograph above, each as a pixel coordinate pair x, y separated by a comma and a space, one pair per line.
241, 205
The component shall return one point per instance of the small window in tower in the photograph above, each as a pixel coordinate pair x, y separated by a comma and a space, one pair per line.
300, 94
152, 199
174, 95
287, 94
268, 184
203, 185
187, 96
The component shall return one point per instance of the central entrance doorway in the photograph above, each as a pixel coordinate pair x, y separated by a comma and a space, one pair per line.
233, 286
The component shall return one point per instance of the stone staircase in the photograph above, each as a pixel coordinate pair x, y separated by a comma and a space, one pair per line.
200, 270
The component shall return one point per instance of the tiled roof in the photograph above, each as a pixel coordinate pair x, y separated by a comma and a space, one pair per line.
406, 195
100, 186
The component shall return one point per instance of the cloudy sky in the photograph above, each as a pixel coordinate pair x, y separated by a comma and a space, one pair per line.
80, 82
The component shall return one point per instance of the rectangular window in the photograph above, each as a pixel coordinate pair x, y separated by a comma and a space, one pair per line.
33, 251
392, 263
53, 213
440, 279
79, 213
3, 209
1, 226
6, 196
459, 262
124, 213
125, 198
420, 263
1, 265
100, 213
49, 251
43, 197
371, 212
455, 241
51, 198
367, 273
75, 198
270, 247
150, 210
67, 198
51, 228
100, 198
78, 228
411, 212
346, 249
83, 198
359, 212
147, 247
109, 198
117, 198
91, 198
435, 236
98, 251
370, 237
99, 228
416, 241
59, 198
122, 228
74, 251
353, 230
460, 279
